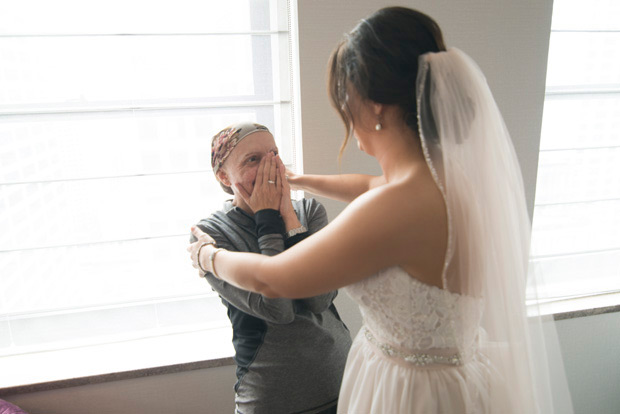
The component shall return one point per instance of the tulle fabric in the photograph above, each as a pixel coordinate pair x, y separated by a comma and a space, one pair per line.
376, 383
469, 151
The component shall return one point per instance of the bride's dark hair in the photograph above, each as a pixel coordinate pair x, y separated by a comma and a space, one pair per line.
379, 58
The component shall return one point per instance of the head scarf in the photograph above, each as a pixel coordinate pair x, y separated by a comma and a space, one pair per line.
225, 141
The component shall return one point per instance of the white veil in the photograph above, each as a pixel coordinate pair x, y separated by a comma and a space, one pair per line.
469, 151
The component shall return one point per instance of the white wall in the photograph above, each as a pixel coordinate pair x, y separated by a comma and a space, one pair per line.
592, 362
509, 40
194, 392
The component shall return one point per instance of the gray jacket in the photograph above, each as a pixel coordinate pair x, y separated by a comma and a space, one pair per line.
290, 353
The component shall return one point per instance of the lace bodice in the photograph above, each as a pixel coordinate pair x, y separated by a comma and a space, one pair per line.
410, 315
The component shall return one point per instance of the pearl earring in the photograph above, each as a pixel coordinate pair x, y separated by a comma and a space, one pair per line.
378, 127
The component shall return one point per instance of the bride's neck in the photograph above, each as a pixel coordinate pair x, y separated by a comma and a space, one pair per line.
398, 150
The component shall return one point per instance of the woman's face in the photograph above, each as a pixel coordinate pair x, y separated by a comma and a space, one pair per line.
241, 166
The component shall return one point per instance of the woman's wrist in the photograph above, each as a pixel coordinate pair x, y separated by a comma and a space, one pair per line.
212, 255
204, 252
291, 221
206, 258
268, 221
259, 207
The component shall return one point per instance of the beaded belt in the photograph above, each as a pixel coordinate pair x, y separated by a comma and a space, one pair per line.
416, 359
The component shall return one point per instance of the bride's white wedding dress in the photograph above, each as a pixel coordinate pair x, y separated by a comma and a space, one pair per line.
406, 357
428, 350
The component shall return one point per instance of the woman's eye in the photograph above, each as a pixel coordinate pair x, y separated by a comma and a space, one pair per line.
253, 159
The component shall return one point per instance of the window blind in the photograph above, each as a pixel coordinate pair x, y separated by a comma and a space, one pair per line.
106, 114
576, 226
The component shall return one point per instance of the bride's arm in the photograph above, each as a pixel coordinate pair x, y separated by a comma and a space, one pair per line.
366, 237
343, 187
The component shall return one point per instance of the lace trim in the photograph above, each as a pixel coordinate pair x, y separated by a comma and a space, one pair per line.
420, 359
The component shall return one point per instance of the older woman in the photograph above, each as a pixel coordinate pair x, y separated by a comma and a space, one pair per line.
290, 354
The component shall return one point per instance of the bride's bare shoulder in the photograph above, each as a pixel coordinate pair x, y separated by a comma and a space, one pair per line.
417, 192
411, 208
419, 226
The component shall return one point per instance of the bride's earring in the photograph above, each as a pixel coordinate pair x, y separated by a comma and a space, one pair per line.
379, 126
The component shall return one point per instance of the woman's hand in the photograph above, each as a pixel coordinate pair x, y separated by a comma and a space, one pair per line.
292, 179
286, 204
267, 190
207, 243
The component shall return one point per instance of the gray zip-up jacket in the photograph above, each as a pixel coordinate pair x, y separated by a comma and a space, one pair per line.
290, 354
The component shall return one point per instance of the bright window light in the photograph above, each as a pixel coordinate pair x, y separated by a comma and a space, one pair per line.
576, 227
107, 109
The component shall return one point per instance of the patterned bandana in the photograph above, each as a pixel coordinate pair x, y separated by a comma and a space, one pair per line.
225, 141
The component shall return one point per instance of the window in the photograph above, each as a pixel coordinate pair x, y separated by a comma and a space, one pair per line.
106, 113
576, 227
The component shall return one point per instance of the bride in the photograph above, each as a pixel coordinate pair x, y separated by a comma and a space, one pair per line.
434, 251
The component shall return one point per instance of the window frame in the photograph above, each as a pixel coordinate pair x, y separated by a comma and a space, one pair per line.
193, 354
566, 305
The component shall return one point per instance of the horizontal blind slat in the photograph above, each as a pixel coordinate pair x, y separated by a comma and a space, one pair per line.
90, 34
48, 71
8, 111
574, 176
597, 15
87, 276
572, 229
81, 212
593, 122
599, 66
122, 16
98, 146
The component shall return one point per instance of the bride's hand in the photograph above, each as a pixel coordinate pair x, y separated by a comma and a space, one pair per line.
206, 242
293, 179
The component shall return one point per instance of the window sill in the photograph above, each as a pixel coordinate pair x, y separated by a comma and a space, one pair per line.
117, 361
582, 306
179, 353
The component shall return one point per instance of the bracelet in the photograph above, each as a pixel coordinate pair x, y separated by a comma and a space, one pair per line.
298, 230
212, 259
198, 255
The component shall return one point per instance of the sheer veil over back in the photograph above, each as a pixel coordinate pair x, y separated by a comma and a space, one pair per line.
468, 149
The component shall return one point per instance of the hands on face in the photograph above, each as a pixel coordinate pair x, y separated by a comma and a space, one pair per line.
271, 190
